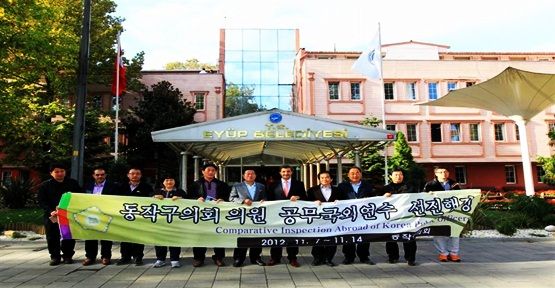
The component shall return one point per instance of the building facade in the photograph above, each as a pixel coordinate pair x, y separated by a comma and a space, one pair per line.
480, 148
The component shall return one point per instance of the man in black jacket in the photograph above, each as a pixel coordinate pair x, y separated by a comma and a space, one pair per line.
356, 188
100, 186
286, 188
134, 188
209, 188
49, 195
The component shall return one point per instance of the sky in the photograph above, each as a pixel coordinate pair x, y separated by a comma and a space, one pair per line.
177, 30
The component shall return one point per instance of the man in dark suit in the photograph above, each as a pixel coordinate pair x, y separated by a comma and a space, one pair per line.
286, 189
100, 186
324, 192
209, 188
246, 193
134, 188
356, 188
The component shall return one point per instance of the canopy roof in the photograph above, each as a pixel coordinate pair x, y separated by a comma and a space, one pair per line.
271, 136
513, 92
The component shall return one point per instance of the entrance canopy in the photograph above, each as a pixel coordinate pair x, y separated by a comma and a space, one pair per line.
271, 137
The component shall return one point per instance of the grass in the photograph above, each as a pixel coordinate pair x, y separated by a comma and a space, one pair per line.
21, 216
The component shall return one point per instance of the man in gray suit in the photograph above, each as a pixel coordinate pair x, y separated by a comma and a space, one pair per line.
245, 193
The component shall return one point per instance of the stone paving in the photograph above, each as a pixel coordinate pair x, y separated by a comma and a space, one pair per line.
503, 263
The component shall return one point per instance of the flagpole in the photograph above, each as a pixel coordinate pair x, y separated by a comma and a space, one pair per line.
382, 95
116, 133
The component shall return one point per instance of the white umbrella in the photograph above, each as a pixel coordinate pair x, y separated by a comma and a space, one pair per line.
517, 94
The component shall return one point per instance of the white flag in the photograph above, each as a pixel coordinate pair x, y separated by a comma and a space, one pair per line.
369, 62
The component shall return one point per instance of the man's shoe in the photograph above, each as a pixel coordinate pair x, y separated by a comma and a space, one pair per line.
294, 263
258, 262
367, 261
317, 262
442, 258
347, 261
219, 262
159, 263
68, 260
392, 260
88, 261
330, 263
123, 261
139, 262
237, 263
272, 262
175, 264
197, 263
106, 261
454, 258
55, 262
411, 263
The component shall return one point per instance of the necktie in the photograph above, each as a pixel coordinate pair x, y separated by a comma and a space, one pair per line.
285, 188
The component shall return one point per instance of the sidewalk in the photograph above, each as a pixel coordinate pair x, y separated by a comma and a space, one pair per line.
486, 263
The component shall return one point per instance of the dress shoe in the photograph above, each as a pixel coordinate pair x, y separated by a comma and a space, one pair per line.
88, 261
219, 262
392, 261
317, 262
68, 260
55, 262
258, 262
272, 262
197, 263
367, 261
139, 262
237, 263
330, 263
411, 263
294, 263
347, 261
105, 261
123, 261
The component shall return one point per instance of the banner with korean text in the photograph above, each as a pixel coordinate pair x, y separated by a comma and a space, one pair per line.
190, 223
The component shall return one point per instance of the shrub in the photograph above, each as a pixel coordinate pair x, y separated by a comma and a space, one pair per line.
18, 194
506, 227
534, 207
549, 219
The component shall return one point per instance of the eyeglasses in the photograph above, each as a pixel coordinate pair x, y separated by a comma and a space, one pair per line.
99, 174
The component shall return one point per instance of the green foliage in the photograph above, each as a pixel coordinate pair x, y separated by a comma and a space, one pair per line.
534, 208
480, 219
190, 64
371, 158
239, 101
549, 219
548, 165
21, 216
161, 108
506, 227
17, 194
402, 158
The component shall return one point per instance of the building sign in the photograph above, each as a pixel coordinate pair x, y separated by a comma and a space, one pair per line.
274, 131
189, 223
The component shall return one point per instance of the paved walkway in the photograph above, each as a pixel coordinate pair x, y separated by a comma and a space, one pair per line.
486, 263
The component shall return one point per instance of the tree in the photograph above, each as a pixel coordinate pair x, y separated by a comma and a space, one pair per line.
371, 158
402, 158
161, 108
239, 101
548, 163
190, 64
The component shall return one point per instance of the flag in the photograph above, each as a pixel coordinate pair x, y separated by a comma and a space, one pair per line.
369, 63
119, 81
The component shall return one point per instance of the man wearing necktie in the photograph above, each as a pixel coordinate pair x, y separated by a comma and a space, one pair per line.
286, 189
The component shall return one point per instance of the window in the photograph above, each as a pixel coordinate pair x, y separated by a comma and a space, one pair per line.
333, 90
517, 133
470, 83
499, 131
540, 173
451, 86
510, 174
436, 132
411, 91
6, 178
455, 132
391, 127
432, 90
411, 133
460, 174
355, 90
199, 101
388, 91
474, 131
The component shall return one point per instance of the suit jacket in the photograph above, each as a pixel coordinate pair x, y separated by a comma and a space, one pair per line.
239, 192
364, 190
296, 189
315, 193
434, 185
50, 193
110, 188
142, 190
198, 190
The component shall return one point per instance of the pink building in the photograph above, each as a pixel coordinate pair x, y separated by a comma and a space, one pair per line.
480, 148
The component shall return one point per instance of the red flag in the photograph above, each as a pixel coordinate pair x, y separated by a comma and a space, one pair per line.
119, 81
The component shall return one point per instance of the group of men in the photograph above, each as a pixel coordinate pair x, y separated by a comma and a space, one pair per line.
209, 188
